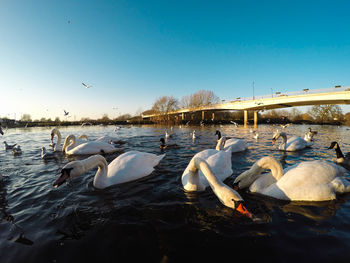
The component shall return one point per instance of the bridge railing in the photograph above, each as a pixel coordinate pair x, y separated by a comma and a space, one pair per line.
295, 93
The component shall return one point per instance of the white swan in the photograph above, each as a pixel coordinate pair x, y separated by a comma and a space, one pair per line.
306, 181
109, 139
71, 142
57, 146
126, 167
219, 161
236, 145
90, 147
192, 181
294, 143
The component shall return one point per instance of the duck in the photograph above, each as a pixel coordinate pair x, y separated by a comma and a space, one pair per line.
127, 167
167, 135
9, 146
309, 136
17, 150
294, 143
199, 174
236, 145
90, 147
46, 155
316, 180
256, 135
164, 146
344, 161
312, 133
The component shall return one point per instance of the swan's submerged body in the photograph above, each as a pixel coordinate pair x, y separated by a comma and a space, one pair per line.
307, 181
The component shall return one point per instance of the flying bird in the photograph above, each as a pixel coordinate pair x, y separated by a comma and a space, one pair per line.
65, 113
86, 86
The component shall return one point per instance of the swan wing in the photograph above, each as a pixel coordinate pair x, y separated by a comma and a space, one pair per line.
236, 145
307, 181
131, 166
295, 143
219, 162
92, 147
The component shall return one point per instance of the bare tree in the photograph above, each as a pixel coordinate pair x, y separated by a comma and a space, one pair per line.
326, 113
26, 117
163, 105
198, 99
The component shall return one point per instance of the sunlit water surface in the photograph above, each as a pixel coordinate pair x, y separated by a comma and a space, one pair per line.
154, 219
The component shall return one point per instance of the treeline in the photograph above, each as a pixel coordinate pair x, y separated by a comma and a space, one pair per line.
26, 121
166, 104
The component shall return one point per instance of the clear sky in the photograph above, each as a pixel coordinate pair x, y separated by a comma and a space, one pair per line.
133, 52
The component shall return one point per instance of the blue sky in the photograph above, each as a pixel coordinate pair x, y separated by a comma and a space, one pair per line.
133, 52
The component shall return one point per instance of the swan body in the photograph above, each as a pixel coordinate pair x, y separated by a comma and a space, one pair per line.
219, 161
192, 182
341, 159
126, 167
71, 142
236, 145
164, 146
294, 143
306, 181
91, 147
9, 147
57, 146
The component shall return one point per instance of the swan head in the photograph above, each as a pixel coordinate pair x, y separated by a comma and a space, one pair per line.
334, 145
69, 171
278, 134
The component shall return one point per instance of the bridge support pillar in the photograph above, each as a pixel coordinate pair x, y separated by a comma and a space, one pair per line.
213, 116
183, 116
255, 119
203, 115
245, 118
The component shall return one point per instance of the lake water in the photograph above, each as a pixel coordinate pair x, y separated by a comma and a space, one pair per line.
154, 219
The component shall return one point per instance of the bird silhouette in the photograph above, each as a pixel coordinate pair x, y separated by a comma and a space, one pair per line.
86, 86
65, 112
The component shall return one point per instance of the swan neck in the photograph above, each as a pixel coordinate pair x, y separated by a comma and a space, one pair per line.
59, 139
100, 179
273, 165
69, 143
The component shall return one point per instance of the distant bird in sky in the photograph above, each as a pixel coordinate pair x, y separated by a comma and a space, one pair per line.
86, 86
65, 113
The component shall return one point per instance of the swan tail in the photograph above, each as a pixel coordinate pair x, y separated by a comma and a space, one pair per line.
158, 159
341, 185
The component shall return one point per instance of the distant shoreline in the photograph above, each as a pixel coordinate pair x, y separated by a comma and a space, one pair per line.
22, 124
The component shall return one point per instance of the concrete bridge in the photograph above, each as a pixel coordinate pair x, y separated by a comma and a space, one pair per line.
306, 97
